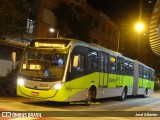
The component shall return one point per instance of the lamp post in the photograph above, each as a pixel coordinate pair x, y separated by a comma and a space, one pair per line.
139, 28
58, 34
52, 30
119, 34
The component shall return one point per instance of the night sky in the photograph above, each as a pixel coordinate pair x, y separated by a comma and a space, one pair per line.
124, 11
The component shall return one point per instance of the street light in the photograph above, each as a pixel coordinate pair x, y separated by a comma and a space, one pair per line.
52, 30
139, 27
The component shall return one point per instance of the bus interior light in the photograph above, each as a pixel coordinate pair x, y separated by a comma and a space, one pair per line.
24, 66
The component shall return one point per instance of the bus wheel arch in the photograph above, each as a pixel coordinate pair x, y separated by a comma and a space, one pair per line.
94, 90
91, 93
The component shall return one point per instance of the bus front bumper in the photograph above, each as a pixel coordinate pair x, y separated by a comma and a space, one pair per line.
51, 95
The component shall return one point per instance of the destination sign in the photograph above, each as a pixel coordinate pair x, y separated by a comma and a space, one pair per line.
55, 45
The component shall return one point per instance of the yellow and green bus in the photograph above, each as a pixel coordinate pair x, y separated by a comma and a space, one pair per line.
60, 69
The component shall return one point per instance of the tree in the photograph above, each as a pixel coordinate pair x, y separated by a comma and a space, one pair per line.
72, 21
13, 17
8, 82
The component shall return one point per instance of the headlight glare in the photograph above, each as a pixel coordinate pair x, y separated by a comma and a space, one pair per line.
58, 86
20, 81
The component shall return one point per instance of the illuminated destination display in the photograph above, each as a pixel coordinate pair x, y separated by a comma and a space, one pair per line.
32, 67
35, 67
56, 45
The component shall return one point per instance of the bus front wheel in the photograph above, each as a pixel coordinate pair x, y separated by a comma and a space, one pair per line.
91, 94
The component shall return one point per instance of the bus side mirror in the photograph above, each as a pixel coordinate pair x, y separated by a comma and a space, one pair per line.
75, 60
13, 57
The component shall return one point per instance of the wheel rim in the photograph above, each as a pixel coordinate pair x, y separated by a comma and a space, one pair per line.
123, 94
89, 95
145, 92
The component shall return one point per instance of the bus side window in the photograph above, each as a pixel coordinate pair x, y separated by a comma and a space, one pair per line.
145, 73
152, 76
131, 68
76, 67
112, 64
140, 71
119, 66
128, 68
104, 62
78, 63
92, 60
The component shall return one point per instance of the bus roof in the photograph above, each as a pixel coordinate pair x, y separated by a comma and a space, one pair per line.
76, 42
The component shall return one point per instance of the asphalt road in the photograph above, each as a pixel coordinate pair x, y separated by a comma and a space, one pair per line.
134, 107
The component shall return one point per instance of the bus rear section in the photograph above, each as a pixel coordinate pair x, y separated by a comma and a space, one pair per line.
143, 79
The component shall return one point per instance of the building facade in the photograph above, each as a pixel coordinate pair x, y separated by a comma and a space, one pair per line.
42, 18
104, 31
154, 36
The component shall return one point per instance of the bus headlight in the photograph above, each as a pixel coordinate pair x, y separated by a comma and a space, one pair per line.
20, 81
57, 86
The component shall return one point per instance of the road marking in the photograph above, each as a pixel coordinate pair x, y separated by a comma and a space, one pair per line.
116, 104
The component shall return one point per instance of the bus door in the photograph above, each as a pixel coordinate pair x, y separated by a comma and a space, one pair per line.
112, 77
103, 70
146, 78
120, 68
151, 79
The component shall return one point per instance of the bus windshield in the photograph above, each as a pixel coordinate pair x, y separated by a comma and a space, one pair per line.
43, 64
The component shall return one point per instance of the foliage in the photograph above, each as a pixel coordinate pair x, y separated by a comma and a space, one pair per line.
13, 17
157, 86
2, 82
8, 82
157, 83
73, 22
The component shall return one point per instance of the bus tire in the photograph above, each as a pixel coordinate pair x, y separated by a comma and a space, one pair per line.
91, 95
123, 95
145, 93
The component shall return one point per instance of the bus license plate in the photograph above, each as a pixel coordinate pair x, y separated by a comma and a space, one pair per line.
35, 93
